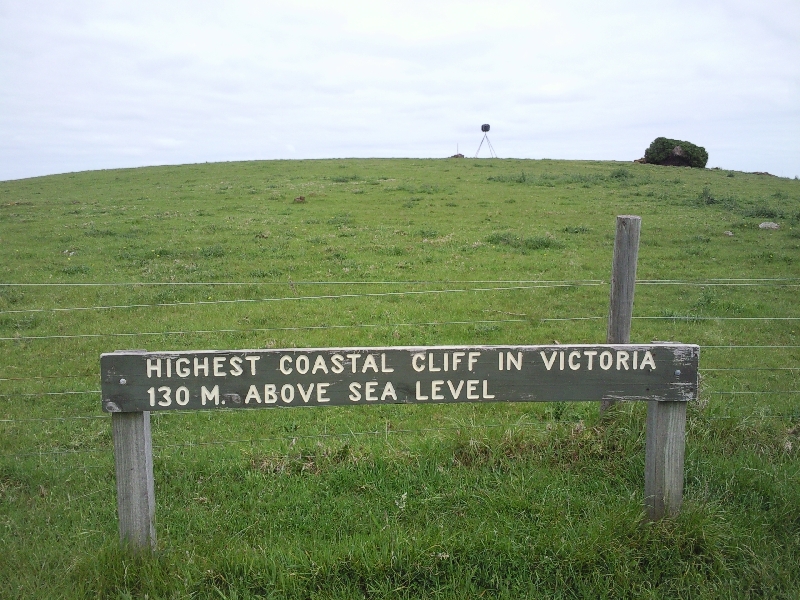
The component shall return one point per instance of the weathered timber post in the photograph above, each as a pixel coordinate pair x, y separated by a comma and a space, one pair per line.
663, 461
623, 283
133, 460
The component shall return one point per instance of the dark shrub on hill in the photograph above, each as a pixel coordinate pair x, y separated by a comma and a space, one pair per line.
676, 153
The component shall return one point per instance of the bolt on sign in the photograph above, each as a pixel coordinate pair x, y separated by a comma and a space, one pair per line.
136, 381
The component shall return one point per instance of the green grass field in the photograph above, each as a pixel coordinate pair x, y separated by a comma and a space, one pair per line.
540, 500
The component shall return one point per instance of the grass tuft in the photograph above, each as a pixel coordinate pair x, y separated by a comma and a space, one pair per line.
526, 243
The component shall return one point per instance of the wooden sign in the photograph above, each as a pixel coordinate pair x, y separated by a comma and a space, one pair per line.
136, 381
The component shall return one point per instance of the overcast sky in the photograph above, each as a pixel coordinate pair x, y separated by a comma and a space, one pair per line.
94, 85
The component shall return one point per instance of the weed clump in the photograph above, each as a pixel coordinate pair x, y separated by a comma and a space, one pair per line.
621, 174
521, 178
212, 252
308, 461
341, 220
762, 211
344, 178
75, 269
538, 242
706, 197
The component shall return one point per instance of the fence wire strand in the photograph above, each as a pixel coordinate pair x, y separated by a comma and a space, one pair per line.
379, 325
31, 394
751, 346
45, 419
38, 377
298, 298
703, 370
709, 281
266, 329
752, 393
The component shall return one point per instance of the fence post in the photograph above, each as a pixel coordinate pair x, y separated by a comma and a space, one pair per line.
665, 445
623, 282
133, 460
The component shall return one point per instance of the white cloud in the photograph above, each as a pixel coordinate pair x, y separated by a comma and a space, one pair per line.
95, 84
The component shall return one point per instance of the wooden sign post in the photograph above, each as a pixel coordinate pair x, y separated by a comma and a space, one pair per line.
136, 383
133, 461
623, 284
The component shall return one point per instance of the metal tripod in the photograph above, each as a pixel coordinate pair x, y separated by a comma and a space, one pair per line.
492, 153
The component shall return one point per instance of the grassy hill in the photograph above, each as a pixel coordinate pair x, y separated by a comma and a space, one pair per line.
537, 500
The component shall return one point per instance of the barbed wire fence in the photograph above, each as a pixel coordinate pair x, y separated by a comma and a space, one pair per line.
788, 365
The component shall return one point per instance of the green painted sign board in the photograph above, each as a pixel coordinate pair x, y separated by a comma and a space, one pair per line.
136, 381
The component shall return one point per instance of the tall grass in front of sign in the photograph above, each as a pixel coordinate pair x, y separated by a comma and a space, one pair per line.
451, 501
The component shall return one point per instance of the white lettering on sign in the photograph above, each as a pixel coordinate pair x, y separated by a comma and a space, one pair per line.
370, 364
287, 393
220, 366
388, 392
370, 389
236, 366
364, 375
206, 396
437, 388
625, 360
182, 368
353, 360
510, 360
153, 365
270, 397
198, 366
448, 361
548, 363
305, 395
319, 365
288, 364
252, 394
182, 396
252, 360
